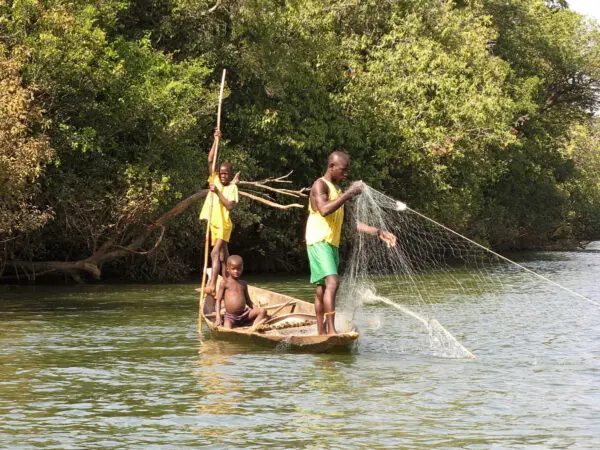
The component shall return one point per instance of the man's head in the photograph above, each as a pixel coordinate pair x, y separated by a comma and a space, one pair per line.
225, 170
235, 266
338, 165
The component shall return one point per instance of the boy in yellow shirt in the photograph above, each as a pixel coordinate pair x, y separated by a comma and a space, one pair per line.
223, 196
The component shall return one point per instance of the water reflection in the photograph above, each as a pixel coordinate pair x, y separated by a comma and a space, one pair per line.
221, 391
246, 387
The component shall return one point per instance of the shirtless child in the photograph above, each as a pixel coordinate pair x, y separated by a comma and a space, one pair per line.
239, 309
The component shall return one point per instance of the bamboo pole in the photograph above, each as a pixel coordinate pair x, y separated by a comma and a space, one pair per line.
210, 205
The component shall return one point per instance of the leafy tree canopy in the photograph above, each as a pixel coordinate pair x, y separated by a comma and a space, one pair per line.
478, 112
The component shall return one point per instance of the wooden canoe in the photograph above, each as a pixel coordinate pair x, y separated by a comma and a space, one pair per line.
292, 326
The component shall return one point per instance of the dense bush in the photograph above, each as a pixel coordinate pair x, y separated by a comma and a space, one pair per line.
478, 113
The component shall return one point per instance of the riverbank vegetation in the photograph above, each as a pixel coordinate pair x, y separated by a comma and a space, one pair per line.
478, 113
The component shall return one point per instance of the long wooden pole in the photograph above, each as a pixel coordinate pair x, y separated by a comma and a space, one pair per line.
210, 205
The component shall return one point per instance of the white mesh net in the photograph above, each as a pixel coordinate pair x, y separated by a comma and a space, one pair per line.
430, 269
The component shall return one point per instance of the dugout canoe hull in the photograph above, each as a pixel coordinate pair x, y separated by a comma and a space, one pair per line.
289, 337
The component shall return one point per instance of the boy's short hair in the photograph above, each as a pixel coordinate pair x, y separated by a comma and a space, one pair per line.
235, 258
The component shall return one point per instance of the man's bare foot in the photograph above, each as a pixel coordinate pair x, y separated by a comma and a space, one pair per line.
330, 323
321, 329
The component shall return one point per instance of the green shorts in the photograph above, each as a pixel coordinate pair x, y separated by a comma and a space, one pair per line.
324, 260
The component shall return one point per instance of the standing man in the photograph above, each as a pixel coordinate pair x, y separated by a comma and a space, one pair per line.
323, 232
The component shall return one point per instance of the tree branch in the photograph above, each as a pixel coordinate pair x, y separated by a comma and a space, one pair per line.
270, 203
110, 250
283, 179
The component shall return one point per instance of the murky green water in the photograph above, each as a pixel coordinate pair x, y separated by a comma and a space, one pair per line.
123, 367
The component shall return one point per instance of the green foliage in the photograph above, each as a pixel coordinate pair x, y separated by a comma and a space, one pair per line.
24, 151
431, 99
554, 56
476, 112
124, 121
582, 147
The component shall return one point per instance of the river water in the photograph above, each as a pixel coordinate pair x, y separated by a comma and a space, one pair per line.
122, 366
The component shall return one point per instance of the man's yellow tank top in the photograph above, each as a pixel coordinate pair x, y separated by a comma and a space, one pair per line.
325, 229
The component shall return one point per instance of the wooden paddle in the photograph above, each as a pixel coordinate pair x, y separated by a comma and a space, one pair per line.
281, 307
210, 205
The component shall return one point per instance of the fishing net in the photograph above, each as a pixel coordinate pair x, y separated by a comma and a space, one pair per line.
429, 275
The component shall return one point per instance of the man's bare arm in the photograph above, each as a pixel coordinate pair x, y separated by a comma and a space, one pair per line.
387, 237
319, 197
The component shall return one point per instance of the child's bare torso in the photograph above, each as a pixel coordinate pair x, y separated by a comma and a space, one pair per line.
234, 296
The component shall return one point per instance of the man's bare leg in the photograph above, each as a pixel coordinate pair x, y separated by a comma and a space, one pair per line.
320, 310
331, 287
